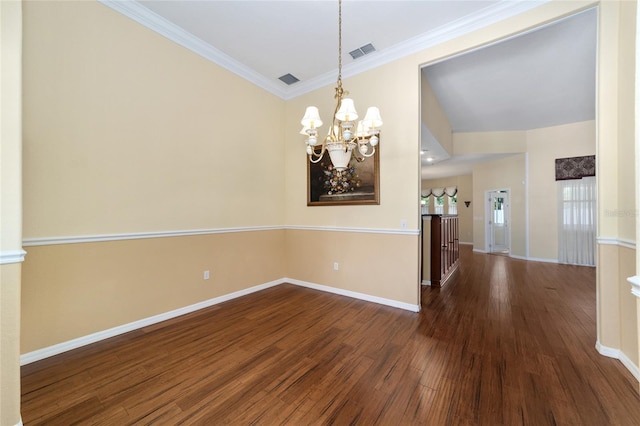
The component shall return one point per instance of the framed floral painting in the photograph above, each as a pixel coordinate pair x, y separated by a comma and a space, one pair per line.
358, 184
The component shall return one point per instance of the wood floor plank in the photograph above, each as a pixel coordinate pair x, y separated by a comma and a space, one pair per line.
506, 342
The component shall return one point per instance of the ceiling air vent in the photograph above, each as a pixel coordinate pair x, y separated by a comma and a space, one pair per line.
289, 79
361, 51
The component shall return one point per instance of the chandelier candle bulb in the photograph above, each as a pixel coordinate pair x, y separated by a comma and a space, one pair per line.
347, 111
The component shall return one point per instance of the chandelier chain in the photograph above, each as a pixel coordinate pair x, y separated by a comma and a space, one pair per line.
340, 42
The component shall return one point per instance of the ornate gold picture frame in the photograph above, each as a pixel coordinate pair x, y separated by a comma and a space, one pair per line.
358, 184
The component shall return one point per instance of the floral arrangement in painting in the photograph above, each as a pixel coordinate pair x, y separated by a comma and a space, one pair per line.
339, 181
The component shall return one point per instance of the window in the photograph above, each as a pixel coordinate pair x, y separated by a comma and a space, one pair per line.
424, 204
577, 221
498, 210
452, 207
439, 205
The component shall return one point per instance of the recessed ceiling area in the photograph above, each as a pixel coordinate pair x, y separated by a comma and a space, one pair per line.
543, 78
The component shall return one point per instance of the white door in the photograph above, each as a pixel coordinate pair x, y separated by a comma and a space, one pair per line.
498, 209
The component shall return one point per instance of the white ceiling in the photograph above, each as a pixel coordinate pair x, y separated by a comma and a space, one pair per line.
535, 80
544, 78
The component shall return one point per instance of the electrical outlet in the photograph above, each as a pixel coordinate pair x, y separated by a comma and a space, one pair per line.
403, 224
205, 275
336, 266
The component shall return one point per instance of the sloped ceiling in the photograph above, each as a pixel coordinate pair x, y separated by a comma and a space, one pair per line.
544, 78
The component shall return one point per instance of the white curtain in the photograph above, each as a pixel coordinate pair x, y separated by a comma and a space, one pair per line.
577, 221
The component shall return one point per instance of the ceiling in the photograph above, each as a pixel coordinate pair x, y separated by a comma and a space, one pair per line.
539, 79
544, 78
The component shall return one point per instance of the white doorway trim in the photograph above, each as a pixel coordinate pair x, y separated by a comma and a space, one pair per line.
490, 245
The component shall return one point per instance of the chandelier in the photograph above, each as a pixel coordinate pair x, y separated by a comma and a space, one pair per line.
346, 137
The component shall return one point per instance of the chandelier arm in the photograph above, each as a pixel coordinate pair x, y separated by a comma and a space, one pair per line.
317, 155
373, 151
354, 154
311, 160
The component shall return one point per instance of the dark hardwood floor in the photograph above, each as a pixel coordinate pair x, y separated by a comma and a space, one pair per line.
505, 342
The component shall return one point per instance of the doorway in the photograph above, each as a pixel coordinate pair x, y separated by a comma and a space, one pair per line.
498, 215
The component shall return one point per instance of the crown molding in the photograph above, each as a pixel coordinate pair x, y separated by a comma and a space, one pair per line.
153, 21
485, 17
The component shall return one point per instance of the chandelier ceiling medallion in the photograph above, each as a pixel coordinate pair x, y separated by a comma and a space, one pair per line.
344, 134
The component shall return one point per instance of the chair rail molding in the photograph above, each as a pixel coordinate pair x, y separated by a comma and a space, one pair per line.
635, 285
12, 256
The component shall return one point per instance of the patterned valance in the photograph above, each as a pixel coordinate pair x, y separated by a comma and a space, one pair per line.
575, 167
439, 192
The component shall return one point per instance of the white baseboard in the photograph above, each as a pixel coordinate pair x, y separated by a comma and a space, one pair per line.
356, 295
534, 259
426, 282
464, 243
59, 348
620, 356
125, 328
515, 256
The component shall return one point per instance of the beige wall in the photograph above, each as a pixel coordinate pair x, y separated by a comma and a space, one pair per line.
489, 142
506, 173
10, 344
628, 306
617, 311
73, 290
119, 142
433, 116
390, 262
399, 151
399, 186
544, 146
626, 213
465, 193
10, 209
139, 142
